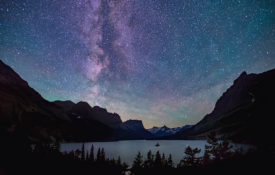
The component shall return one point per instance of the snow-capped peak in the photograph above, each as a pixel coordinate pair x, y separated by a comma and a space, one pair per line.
163, 131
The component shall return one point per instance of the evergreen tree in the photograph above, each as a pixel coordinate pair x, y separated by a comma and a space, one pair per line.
56, 146
98, 155
65, 154
83, 153
125, 165
219, 151
158, 159
92, 158
71, 154
206, 157
77, 153
190, 159
118, 162
213, 147
102, 155
138, 161
148, 163
211, 138
87, 155
239, 151
224, 149
170, 162
163, 160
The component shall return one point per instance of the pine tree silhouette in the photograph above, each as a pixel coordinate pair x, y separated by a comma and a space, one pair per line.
83, 152
92, 158
56, 146
71, 154
206, 158
66, 154
213, 148
118, 162
163, 160
219, 151
170, 162
149, 161
77, 153
102, 155
158, 159
138, 161
87, 156
98, 155
190, 159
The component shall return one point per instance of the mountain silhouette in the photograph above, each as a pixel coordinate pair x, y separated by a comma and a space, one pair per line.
137, 127
23, 107
24, 110
244, 113
165, 131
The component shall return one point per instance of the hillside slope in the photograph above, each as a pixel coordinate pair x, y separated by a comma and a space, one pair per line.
244, 113
24, 110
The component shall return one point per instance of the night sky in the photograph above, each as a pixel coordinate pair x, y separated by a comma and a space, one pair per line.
159, 61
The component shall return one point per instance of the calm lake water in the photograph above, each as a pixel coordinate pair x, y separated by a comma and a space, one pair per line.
128, 150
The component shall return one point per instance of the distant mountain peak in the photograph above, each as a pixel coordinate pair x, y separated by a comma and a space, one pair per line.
165, 131
20, 105
138, 128
134, 124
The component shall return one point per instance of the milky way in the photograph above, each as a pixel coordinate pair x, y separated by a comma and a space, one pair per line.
159, 61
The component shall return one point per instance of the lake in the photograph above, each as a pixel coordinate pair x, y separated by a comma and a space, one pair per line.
128, 150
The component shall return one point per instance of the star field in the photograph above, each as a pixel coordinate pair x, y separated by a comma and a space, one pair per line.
159, 61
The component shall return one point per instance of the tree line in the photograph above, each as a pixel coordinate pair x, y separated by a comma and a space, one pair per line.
219, 157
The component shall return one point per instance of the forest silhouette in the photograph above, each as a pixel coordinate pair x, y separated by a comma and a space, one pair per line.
24, 157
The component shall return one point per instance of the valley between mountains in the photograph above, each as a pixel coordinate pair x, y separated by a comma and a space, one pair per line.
244, 113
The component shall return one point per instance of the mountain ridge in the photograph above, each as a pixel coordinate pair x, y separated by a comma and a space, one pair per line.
244, 113
24, 110
165, 131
